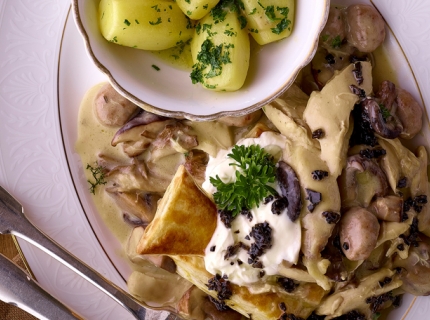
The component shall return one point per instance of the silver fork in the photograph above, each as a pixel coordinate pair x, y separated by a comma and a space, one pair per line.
20, 290
13, 221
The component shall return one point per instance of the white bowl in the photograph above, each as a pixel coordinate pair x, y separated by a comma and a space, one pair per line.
170, 92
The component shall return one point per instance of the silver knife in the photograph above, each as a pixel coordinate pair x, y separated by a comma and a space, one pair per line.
13, 221
18, 289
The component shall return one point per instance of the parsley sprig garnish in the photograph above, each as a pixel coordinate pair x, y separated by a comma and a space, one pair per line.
251, 185
212, 56
98, 176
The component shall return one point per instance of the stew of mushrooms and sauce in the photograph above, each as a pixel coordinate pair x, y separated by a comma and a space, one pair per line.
362, 214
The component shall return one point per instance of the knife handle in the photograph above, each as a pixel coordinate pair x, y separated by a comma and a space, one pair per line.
20, 290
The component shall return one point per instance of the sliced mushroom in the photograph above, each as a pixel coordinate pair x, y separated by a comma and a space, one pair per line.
133, 221
387, 94
130, 177
138, 133
111, 108
416, 273
386, 125
389, 208
142, 206
358, 233
195, 163
290, 188
163, 262
109, 163
360, 181
242, 121
141, 118
401, 103
136, 177
174, 138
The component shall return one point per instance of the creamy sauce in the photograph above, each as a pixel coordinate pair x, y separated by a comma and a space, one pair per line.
383, 68
286, 235
94, 138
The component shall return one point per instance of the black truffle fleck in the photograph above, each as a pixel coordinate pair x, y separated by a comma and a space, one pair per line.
314, 198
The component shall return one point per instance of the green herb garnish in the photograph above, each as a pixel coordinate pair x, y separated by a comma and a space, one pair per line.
198, 28
189, 23
230, 32
211, 56
218, 14
337, 41
156, 22
376, 316
127, 22
156, 8
281, 26
155, 67
257, 170
243, 22
283, 10
98, 173
385, 112
270, 13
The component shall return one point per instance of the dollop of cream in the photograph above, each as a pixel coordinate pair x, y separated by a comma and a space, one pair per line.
286, 235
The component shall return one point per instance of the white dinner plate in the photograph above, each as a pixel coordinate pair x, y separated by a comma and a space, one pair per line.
44, 73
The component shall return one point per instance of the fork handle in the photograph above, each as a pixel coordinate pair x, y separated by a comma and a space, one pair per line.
36, 237
20, 290
14, 221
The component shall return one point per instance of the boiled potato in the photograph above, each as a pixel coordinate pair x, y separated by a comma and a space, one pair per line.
269, 20
220, 50
196, 9
148, 24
